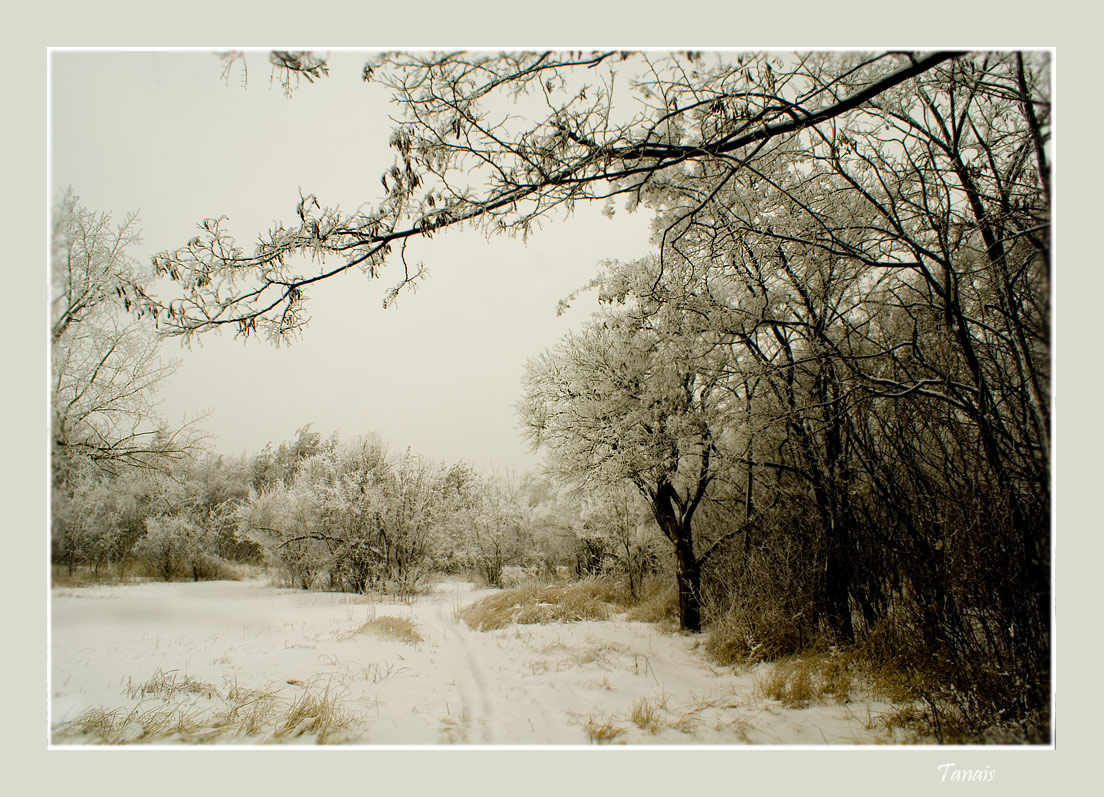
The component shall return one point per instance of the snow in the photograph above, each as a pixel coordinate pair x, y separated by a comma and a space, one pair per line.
563, 684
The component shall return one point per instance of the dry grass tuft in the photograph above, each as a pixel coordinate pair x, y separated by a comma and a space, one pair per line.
597, 654
400, 628
596, 598
454, 730
601, 731
241, 715
320, 715
649, 715
740, 726
656, 714
600, 685
687, 723
569, 657
906, 718
138, 725
802, 680
247, 712
770, 635
592, 599
167, 685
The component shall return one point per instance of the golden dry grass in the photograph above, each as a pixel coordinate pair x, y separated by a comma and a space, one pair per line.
657, 713
601, 730
138, 725
802, 680
167, 685
398, 628
320, 715
649, 714
592, 599
658, 604
840, 676
239, 715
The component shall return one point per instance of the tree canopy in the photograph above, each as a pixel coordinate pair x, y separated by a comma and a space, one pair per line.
498, 140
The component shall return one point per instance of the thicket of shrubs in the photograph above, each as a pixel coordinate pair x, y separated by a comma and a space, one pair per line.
316, 514
171, 524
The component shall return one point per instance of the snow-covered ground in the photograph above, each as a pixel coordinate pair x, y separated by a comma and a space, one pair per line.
555, 684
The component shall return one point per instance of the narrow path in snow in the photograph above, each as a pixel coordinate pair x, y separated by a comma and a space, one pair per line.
478, 711
498, 705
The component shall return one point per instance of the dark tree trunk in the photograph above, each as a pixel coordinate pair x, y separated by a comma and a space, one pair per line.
676, 527
837, 588
689, 583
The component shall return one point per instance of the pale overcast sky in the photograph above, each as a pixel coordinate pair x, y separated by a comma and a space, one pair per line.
161, 133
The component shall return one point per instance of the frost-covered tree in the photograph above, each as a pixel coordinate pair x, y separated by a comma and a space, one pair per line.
271, 467
352, 517
105, 363
173, 545
614, 536
884, 281
98, 517
635, 398
105, 371
498, 140
488, 525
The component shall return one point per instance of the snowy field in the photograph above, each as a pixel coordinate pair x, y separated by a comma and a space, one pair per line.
196, 654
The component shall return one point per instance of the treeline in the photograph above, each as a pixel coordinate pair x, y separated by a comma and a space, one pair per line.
357, 517
328, 514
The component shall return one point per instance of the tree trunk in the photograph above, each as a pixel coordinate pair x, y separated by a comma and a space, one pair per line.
837, 587
676, 527
688, 573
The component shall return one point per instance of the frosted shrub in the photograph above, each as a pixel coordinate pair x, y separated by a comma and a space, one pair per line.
173, 547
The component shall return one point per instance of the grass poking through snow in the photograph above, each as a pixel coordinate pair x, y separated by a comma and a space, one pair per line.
180, 710
656, 714
167, 685
601, 730
649, 715
400, 628
800, 681
592, 599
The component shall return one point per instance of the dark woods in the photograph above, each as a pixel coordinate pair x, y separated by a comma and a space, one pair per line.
840, 361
